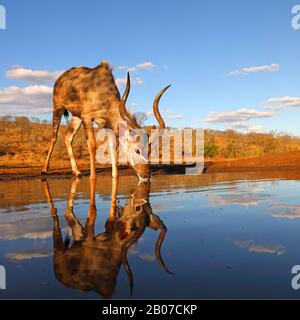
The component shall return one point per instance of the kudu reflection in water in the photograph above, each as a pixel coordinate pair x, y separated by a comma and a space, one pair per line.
92, 262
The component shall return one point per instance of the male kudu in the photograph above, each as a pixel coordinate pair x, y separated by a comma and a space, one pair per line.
92, 95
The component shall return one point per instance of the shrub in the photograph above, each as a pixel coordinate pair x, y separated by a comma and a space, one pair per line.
210, 150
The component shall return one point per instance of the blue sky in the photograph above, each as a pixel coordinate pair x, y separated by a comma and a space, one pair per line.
198, 46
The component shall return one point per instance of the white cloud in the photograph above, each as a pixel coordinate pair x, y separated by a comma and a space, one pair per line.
149, 256
146, 65
283, 103
242, 114
150, 113
138, 80
258, 248
284, 100
286, 211
29, 100
123, 67
131, 69
29, 254
239, 198
37, 99
175, 117
134, 104
246, 127
255, 69
120, 82
34, 76
166, 114
35, 224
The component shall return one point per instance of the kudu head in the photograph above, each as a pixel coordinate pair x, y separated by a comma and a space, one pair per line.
138, 141
133, 219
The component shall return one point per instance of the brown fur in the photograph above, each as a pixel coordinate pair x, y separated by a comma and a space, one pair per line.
92, 95
89, 95
94, 88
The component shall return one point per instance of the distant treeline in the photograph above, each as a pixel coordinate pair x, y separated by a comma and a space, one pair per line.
25, 141
231, 144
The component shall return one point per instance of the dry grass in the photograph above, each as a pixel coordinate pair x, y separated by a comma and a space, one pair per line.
25, 142
231, 144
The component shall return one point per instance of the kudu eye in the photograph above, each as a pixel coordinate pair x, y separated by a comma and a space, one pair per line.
137, 151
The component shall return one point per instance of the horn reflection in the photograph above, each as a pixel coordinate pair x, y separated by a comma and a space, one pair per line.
91, 262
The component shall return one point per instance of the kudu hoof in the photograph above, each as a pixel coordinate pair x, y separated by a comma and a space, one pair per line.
77, 174
43, 175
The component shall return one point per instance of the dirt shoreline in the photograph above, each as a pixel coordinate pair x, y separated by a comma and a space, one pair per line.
270, 162
27, 172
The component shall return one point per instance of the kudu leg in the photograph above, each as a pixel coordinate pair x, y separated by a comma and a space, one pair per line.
50, 201
90, 137
113, 153
113, 207
57, 114
112, 217
73, 222
91, 219
71, 131
58, 243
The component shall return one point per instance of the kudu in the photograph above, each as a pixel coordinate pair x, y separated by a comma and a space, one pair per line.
92, 95
90, 262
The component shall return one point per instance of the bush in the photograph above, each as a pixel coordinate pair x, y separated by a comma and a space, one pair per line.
210, 150
28, 141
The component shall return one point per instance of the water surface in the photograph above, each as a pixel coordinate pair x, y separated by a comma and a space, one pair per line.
228, 236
